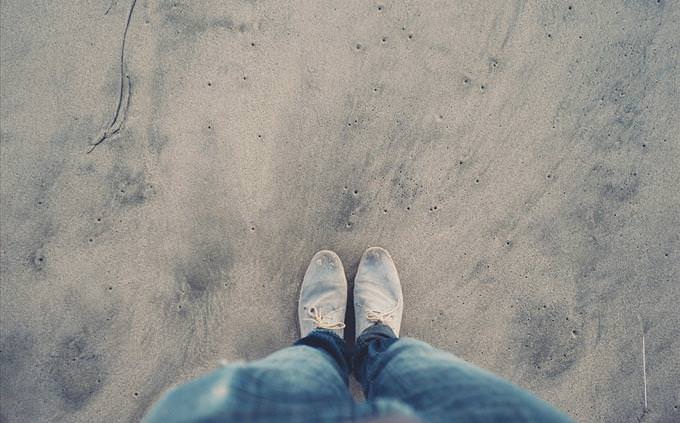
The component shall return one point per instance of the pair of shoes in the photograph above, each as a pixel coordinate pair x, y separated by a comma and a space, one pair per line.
377, 293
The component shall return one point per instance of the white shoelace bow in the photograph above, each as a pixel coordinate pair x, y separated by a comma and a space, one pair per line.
377, 316
321, 321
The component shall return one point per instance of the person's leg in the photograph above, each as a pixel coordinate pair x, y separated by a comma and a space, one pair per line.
305, 382
308, 380
440, 387
436, 385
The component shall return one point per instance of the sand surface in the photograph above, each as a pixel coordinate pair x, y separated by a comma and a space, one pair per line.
520, 160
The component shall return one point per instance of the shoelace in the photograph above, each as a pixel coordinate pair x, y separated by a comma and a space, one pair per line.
321, 322
377, 316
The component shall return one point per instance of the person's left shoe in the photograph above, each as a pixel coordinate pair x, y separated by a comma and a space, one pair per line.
323, 296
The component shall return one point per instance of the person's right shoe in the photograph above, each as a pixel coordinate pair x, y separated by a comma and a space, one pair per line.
377, 292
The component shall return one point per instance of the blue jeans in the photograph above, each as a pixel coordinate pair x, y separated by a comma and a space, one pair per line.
400, 377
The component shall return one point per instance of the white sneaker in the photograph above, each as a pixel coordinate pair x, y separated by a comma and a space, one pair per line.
323, 296
377, 292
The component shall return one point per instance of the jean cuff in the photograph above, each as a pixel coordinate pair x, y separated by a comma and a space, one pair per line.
329, 342
371, 343
377, 331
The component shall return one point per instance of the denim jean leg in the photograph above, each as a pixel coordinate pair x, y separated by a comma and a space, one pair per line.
307, 380
440, 387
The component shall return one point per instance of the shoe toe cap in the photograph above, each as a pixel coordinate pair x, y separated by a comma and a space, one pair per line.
326, 258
